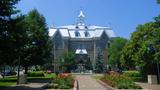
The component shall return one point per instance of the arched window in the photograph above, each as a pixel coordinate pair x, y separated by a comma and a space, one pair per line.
86, 27
77, 34
86, 33
77, 27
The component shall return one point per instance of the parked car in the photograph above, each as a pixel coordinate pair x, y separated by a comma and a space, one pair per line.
8, 73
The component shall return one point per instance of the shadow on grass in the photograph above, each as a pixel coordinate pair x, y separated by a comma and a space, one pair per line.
18, 88
38, 80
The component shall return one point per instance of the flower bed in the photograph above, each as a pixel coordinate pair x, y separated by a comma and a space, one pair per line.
62, 81
119, 81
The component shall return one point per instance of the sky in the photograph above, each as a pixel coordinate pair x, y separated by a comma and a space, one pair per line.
122, 15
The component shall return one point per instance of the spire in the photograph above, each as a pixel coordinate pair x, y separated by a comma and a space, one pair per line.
81, 17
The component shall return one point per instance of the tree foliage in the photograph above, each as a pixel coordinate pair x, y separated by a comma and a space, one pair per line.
158, 1
144, 46
126, 56
38, 45
67, 61
114, 51
7, 37
99, 64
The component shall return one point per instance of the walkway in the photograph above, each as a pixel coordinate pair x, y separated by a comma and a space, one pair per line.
147, 86
86, 82
29, 86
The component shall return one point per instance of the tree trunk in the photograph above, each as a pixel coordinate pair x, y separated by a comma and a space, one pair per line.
26, 70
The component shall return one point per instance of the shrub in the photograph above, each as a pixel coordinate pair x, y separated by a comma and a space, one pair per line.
36, 74
132, 73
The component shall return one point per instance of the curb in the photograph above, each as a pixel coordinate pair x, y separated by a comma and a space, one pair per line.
105, 85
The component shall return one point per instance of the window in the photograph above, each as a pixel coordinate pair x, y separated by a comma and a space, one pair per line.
77, 34
86, 27
86, 33
77, 27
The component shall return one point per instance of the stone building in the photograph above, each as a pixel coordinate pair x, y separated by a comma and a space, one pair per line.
86, 41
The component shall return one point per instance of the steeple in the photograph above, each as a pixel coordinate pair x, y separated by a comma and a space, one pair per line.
81, 18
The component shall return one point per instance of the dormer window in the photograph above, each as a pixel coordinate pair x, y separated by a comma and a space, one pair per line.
77, 34
86, 27
86, 33
77, 27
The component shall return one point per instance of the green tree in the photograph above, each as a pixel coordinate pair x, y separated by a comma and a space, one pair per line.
38, 45
158, 1
144, 47
67, 61
99, 65
114, 51
7, 10
126, 59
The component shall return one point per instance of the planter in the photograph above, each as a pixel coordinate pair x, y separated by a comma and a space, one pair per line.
152, 79
22, 78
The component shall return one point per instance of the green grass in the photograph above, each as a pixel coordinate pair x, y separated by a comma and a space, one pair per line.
11, 80
52, 75
97, 77
8, 81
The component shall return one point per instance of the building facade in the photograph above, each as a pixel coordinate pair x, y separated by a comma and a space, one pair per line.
86, 41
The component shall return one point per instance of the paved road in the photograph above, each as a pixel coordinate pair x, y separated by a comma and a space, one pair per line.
86, 82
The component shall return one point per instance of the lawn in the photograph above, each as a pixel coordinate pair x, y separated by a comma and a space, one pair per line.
11, 80
8, 81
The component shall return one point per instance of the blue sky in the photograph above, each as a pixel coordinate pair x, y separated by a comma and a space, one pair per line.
122, 15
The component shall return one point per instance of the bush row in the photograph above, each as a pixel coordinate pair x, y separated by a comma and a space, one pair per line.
132, 73
36, 74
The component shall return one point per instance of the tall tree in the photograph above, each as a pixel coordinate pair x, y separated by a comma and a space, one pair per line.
144, 47
114, 51
158, 1
126, 59
7, 9
38, 46
67, 61
99, 64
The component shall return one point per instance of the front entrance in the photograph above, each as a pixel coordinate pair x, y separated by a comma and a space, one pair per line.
83, 64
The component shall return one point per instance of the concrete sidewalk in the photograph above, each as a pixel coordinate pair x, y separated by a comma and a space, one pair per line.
86, 82
147, 86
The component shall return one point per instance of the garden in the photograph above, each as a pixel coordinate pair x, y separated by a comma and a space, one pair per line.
120, 81
60, 81
34, 76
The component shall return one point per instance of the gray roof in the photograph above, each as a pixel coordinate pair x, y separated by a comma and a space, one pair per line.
93, 31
